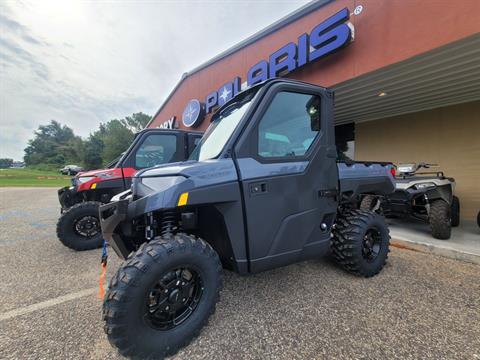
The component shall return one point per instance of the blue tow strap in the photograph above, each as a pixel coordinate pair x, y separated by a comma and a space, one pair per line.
104, 252
101, 290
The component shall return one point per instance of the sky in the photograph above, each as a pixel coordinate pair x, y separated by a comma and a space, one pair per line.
86, 62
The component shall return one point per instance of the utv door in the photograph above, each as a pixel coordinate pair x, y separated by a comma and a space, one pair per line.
193, 141
286, 161
153, 148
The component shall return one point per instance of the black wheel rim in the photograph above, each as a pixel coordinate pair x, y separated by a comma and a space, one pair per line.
371, 245
173, 298
87, 226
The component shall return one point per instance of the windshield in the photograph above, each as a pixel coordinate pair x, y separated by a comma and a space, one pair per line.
112, 164
220, 130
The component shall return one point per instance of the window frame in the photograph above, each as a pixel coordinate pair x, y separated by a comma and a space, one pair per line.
191, 139
255, 133
128, 159
144, 140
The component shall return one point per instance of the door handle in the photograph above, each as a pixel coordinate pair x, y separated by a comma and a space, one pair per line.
258, 188
328, 193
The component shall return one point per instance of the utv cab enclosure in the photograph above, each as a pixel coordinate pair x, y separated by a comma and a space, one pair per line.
262, 189
79, 227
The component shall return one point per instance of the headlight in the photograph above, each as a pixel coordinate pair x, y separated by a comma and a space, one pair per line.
127, 194
425, 185
406, 168
84, 179
162, 183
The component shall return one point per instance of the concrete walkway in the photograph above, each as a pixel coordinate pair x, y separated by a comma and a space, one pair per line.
464, 243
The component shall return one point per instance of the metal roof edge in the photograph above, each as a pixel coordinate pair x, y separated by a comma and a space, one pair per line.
288, 19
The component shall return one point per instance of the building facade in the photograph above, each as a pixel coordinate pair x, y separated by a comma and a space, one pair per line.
406, 76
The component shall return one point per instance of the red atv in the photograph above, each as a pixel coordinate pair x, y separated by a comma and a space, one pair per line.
78, 227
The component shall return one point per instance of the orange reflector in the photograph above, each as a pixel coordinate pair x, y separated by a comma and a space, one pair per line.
93, 186
182, 200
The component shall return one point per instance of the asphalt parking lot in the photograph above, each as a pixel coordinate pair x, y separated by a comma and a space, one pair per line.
420, 306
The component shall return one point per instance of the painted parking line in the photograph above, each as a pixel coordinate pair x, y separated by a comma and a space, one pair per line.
47, 304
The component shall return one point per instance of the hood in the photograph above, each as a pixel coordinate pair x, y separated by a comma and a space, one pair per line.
104, 173
200, 172
161, 186
166, 169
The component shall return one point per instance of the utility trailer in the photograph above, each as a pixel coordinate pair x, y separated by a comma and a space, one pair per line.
263, 189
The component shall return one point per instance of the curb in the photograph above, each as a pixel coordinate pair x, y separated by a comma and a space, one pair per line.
437, 250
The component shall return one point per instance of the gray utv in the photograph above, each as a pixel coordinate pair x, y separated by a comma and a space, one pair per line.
263, 189
426, 196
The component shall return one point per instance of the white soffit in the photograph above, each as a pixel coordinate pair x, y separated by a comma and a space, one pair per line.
444, 76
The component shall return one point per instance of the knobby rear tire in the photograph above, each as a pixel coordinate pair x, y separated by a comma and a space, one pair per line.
455, 211
440, 219
349, 234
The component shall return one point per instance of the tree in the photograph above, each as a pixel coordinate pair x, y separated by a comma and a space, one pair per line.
111, 139
53, 144
116, 140
136, 122
94, 146
6, 163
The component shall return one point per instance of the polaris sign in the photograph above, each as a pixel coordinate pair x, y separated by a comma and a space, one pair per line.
325, 38
168, 124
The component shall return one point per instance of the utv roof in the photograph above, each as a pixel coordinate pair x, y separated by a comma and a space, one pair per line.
169, 130
262, 84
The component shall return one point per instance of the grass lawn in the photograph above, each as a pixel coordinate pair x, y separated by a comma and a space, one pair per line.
28, 177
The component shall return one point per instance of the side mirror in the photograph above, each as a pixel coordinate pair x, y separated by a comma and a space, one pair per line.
313, 110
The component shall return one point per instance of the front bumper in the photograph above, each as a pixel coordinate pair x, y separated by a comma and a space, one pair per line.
67, 197
111, 215
117, 220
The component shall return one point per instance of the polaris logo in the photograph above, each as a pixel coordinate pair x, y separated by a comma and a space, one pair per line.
324, 39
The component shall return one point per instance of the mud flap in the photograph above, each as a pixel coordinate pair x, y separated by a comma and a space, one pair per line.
111, 215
